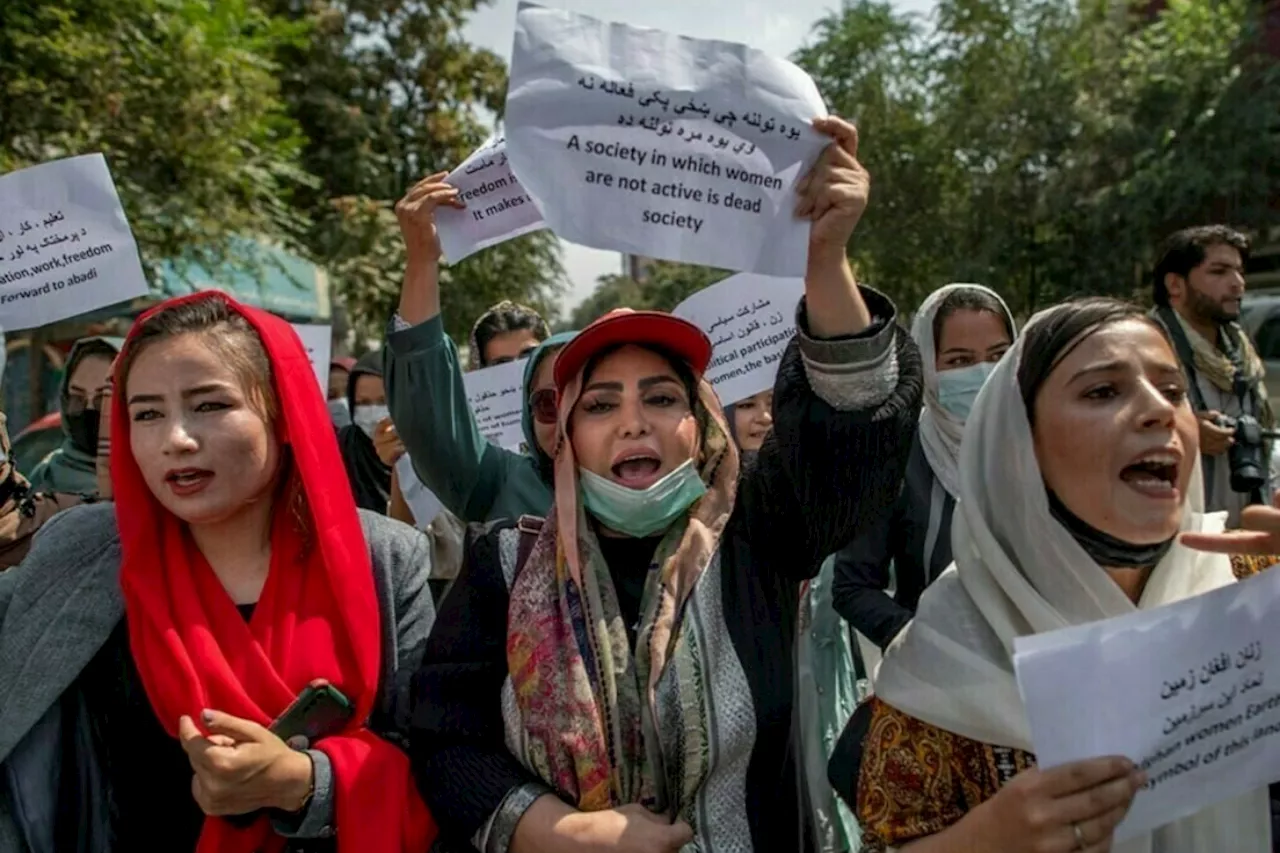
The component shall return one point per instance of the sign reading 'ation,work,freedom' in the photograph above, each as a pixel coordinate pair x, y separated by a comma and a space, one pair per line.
65, 245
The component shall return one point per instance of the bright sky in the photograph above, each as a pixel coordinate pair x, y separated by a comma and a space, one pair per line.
777, 27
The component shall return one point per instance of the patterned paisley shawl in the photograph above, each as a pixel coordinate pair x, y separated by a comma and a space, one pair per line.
589, 720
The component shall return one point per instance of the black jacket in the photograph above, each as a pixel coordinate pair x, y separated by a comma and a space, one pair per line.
823, 475
920, 522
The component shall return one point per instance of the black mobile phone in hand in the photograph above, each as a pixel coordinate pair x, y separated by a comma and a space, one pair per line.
319, 711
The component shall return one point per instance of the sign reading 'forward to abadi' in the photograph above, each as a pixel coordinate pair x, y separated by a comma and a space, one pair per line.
65, 245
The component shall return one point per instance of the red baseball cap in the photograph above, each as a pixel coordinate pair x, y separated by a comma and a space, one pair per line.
625, 326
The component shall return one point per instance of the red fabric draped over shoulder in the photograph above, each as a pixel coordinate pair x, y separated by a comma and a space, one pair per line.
317, 617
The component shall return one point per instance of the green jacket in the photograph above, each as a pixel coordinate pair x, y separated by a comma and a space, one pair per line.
475, 480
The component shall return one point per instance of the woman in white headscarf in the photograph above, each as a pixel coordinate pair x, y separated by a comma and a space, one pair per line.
962, 330
1079, 470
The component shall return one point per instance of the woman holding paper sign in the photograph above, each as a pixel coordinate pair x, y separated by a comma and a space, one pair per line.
474, 479
153, 650
621, 677
1079, 469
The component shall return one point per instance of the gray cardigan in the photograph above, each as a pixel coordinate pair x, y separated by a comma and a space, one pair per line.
61, 604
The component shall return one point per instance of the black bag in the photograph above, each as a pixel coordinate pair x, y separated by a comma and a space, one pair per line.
846, 758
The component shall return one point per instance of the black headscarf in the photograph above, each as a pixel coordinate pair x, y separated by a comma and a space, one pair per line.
370, 479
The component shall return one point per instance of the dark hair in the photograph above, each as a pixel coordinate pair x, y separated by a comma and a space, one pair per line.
682, 370
1185, 250
969, 299
225, 332
236, 343
83, 352
95, 348
1056, 334
502, 318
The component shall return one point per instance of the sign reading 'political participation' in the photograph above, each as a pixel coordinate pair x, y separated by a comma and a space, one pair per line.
750, 320
317, 340
65, 245
496, 399
497, 207
1190, 692
668, 147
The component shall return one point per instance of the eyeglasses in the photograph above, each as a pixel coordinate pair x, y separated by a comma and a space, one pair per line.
543, 405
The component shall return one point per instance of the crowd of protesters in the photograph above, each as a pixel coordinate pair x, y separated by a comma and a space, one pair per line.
667, 624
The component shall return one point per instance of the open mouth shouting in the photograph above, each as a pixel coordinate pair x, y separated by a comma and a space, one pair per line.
636, 468
1154, 474
185, 482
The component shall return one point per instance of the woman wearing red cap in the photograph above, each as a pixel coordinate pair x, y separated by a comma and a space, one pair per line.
150, 648
623, 679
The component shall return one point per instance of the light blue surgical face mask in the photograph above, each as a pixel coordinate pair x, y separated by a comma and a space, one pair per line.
957, 389
641, 512
339, 412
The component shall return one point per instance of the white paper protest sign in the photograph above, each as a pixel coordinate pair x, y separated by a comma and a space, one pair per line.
496, 395
65, 245
317, 340
422, 502
750, 320
1190, 692
498, 208
662, 146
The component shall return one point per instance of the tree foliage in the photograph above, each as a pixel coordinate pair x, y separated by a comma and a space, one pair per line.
1045, 146
181, 97
295, 121
387, 92
665, 285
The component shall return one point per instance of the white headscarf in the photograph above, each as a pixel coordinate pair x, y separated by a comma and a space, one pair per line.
941, 431
1017, 571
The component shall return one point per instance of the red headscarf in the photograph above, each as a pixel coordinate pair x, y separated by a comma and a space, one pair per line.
317, 617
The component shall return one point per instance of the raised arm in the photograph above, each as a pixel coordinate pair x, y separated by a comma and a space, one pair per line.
420, 297
848, 390
425, 392
833, 197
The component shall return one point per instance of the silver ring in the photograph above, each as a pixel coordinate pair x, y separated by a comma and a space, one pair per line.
1080, 842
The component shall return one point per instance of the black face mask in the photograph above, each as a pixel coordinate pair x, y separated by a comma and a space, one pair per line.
1106, 550
82, 426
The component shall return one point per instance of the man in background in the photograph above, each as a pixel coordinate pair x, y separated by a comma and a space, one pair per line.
1199, 285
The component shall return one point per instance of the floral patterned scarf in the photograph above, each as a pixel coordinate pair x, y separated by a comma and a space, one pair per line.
587, 705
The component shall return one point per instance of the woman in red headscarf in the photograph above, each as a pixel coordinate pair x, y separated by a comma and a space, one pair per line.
148, 649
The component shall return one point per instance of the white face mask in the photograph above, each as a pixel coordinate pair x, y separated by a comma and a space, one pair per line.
367, 418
